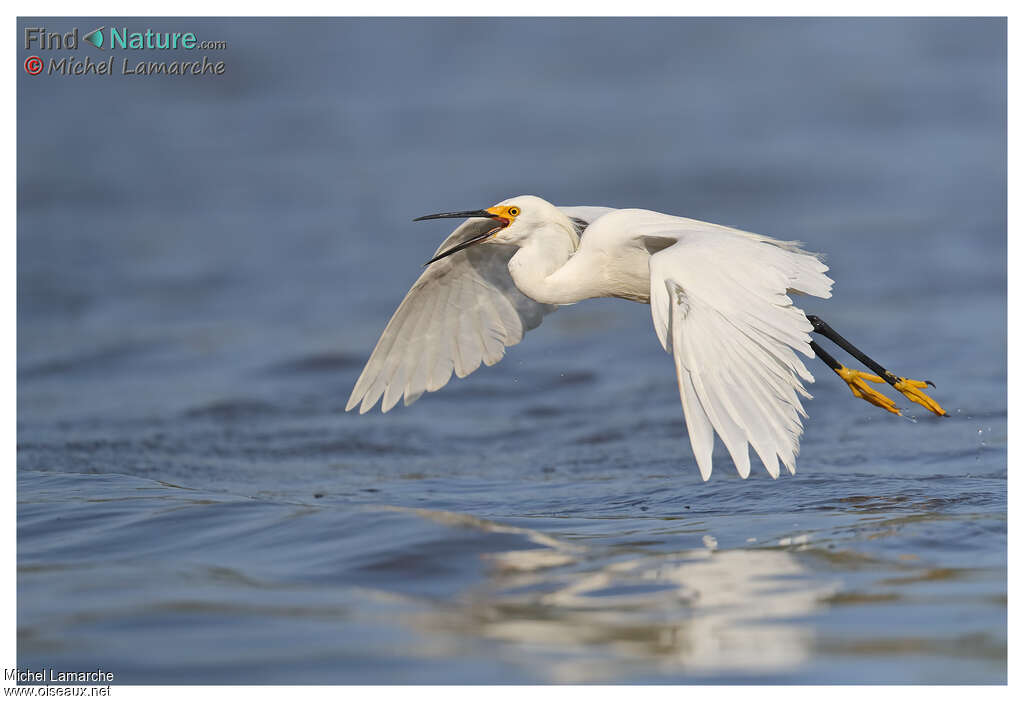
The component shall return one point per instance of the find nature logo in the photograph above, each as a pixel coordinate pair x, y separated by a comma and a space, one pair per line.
120, 38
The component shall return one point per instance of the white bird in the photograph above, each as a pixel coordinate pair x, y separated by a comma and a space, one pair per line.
720, 302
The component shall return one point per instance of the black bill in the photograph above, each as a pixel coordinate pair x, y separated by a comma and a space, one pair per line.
469, 242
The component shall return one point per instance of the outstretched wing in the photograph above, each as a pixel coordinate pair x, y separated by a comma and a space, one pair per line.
461, 312
721, 306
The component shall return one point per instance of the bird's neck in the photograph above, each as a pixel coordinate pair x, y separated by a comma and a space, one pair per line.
536, 266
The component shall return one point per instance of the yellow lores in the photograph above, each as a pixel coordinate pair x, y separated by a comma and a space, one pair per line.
508, 214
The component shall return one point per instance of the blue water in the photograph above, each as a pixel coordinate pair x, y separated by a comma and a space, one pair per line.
205, 263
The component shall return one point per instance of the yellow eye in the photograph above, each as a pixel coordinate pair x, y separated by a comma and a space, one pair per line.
513, 211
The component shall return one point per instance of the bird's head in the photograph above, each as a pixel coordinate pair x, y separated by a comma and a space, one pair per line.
514, 221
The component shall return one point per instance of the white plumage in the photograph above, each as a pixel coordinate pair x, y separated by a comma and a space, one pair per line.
720, 301
463, 310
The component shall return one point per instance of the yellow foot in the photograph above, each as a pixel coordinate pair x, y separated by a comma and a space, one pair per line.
911, 389
855, 379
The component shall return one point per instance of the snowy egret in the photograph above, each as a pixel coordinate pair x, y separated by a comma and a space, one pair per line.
719, 297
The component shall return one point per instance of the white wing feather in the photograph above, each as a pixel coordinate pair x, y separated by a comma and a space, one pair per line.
585, 213
463, 310
720, 304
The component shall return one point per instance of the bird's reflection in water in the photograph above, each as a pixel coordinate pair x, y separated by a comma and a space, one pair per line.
599, 614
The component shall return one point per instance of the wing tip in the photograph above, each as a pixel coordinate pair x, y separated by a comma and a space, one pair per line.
770, 461
740, 458
353, 402
704, 464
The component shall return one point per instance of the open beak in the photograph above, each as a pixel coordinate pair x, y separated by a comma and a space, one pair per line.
502, 223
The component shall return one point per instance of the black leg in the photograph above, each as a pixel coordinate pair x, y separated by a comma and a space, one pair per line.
855, 379
832, 335
825, 356
820, 327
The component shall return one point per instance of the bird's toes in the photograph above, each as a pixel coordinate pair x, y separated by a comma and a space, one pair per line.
911, 389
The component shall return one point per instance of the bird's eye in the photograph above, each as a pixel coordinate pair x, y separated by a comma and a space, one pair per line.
514, 211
